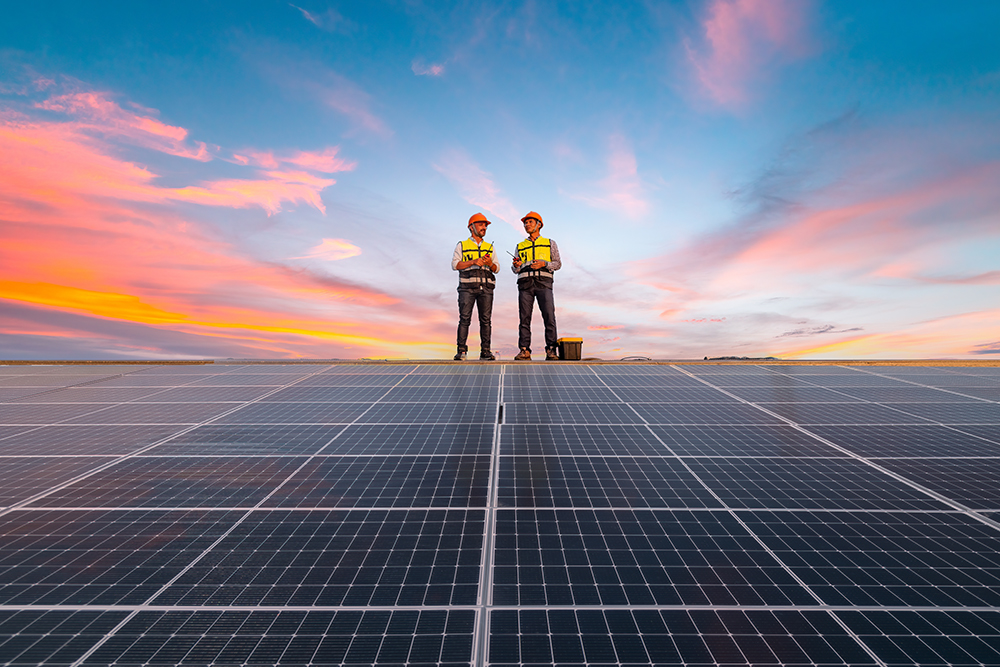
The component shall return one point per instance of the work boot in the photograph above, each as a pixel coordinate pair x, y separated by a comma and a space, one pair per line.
523, 355
487, 356
460, 356
551, 354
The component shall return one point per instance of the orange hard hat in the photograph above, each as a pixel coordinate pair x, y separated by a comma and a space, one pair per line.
532, 214
478, 217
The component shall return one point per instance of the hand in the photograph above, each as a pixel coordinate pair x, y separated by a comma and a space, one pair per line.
537, 264
517, 262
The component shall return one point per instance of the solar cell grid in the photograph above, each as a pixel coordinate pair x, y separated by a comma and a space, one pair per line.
634, 557
908, 441
335, 558
701, 413
387, 481
671, 395
989, 432
84, 440
888, 558
903, 395
236, 379
929, 637
249, 440
776, 440
296, 413
807, 483
205, 394
152, 413
40, 415
842, 413
481, 395
91, 394
384, 412
639, 637
578, 439
99, 557
351, 380
569, 413
24, 477
953, 413
569, 481
422, 439
974, 483
294, 638
560, 394
630, 514
177, 482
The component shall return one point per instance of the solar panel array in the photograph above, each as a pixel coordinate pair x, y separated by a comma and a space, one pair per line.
502, 514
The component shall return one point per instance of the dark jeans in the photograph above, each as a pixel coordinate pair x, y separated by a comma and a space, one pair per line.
483, 299
527, 291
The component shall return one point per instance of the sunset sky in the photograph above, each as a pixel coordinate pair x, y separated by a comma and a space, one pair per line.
288, 180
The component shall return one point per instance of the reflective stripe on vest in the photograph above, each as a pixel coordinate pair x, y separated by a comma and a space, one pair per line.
476, 275
530, 251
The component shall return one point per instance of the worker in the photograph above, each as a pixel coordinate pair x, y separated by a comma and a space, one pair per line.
537, 258
473, 259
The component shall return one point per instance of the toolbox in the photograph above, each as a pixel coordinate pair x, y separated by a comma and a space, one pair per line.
570, 349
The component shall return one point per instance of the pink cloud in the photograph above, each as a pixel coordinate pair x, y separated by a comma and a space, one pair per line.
96, 112
605, 327
621, 190
477, 186
421, 69
740, 39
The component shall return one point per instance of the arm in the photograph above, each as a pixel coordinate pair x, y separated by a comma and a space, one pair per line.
556, 262
456, 258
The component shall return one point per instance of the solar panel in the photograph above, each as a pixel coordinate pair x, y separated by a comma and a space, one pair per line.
499, 514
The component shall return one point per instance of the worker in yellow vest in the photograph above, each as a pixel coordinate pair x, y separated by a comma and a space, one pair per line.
473, 259
537, 258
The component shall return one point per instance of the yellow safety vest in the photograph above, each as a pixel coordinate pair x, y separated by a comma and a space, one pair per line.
476, 275
530, 251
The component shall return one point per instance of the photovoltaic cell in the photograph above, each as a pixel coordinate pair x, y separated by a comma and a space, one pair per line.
634, 557
415, 439
74, 557
908, 441
631, 514
388, 481
671, 637
570, 481
929, 637
570, 413
841, 413
221, 440
335, 558
774, 440
414, 637
23, 477
887, 558
84, 440
808, 484
973, 482
580, 439
177, 482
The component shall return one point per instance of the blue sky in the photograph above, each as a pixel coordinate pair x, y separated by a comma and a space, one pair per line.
731, 177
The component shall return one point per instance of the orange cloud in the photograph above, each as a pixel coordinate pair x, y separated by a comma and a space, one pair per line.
91, 236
